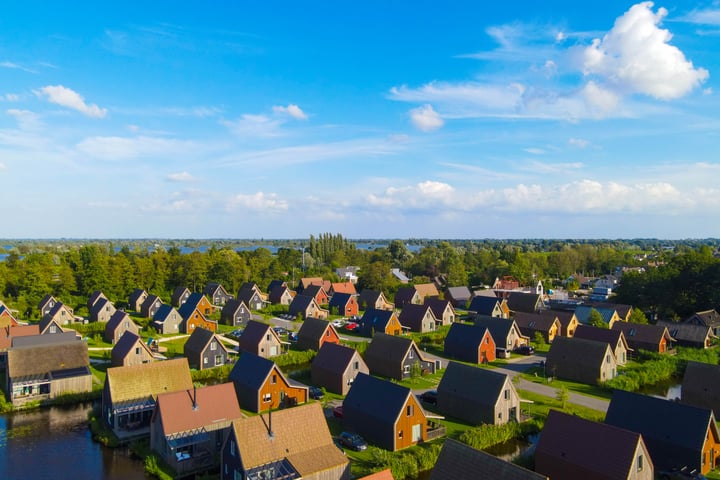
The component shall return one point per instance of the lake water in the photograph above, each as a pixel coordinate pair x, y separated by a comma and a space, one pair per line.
55, 443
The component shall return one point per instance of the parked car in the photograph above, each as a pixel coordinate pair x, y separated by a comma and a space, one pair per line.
338, 412
351, 326
338, 323
502, 353
280, 330
429, 397
680, 474
353, 441
292, 336
316, 393
525, 350
236, 333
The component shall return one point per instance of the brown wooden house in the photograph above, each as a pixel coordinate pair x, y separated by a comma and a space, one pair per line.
470, 344
167, 320
205, 350
314, 333
216, 293
102, 310
418, 318
379, 321
336, 366
653, 338
532, 323
179, 296
581, 360
47, 302
614, 338
690, 334
374, 299
119, 323
136, 299
442, 309
150, 306
344, 304
260, 385
260, 339
130, 350
306, 306
396, 357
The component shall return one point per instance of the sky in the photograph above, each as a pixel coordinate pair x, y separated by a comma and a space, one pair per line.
372, 119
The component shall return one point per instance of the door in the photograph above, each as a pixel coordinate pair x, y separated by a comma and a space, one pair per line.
416, 433
273, 350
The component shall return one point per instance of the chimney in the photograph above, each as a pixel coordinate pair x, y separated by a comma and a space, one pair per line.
194, 407
270, 432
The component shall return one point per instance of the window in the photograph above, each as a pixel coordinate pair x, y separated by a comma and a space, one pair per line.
137, 350
213, 346
500, 416
640, 465
410, 354
327, 333
356, 365
273, 380
232, 447
400, 434
406, 369
218, 360
127, 325
205, 360
267, 337
507, 394
53, 329
409, 410
632, 332
607, 359
267, 398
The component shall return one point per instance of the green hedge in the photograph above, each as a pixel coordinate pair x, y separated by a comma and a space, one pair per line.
485, 436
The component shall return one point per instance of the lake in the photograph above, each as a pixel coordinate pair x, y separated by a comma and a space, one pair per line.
55, 443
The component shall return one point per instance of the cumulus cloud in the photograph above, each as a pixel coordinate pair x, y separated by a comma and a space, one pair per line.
579, 142
26, 119
636, 54
68, 98
180, 177
293, 110
249, 125
260, 202
600, 100
425, 118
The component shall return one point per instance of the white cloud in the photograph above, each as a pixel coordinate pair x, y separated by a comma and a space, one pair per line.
16, 66
2, 166
579, 142
116, 148
260, 202
26, 119
534, 151
600, 100
249, 125
292, 110
66, 97
707, 16
636, 55
425, 118
11, 97
464, 97
180, 177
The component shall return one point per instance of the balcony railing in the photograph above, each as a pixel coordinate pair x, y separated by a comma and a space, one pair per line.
435, 430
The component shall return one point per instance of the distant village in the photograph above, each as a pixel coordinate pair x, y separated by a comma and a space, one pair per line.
210, 380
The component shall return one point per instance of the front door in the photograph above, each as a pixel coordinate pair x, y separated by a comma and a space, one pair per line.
416, 433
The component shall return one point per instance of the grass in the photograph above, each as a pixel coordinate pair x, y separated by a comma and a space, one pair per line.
536, 375
423, 381
541, 405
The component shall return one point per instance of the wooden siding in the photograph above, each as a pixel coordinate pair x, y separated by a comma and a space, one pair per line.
277, 387
710, 452
404, 424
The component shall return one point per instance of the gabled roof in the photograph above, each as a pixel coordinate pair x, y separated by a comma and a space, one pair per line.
369, 296
148, 379
426, 289
301, 303
458, 461
344, 287
94, 297
702, 377
524, 302
47, 298
564, 316
313, 290
35, 357
340, 300
127, 342
483, 304
190, 305
622, 309
605, 450
99, 305
178, 293
45, 322
711, 318
163, 312
135, 295
255, 331
535, 321
313, 329
577, 353
149, 301
390, 348
611, 337
8, 333
199, 340
115, 320
381, 475
232, 306
480, 386
375, 318
246, 294
192, 409
299, 435
404, 295
459, 293
307, 281
275, 283
412, 315
499, 327
252, 371
582, 312
276, 292
380, 399
673, 432
438, 306
400, 275
333, 357
642, 333
688, 332
463, 337
213, 287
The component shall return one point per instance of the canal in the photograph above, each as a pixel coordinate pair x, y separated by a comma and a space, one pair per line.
55, 443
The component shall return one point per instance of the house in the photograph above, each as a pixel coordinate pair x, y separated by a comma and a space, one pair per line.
470, 343
381, 475
458, 461
48, 324
701, 386
336, 366
386, 414
260, 385
259, 339
136, 299
130, 393
61, 314
252, 296
623, 310
614, 338
344, 304
167, 320
442, 309
396, 357
609, 315
102, 310
568, 321
708, 318
188, 427
504, 331
150, 306
314, 333
676, 435
47, 302
417, 318
306, 306
580, 360
6, 337
235, 313
280, 295
216, 293
530, 324
406, 295
205, 350
318, 293
458, 296
307, 281
524, 302
42, 367
130, 350
119, 323
573, 447
488, 306
690, 334
505, 283
197, 320
290, 444
179, 296
93, 299
342, 287
399, 275
6, 317
477, 395
348, 274
653, 338
383, 321
196, 302
374, 299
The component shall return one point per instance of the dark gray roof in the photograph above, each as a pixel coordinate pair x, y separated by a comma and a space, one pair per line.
333, 357
438, 306
499, 327
642, 333
94, 297
340, 300
300, 304
463, 341
534, 321
369, 297
374, 318
251, 370
573, 447
412, 315
524, 302
198, 341
711, 318
382, 400
115, 320
232, 306
212, 287
124, 346
163, 312
459, 293
178, 293
702, 378
458, 461
253, 333
611, 337
483, 305
577, 353
480, 386
312, 330
387, 350
275, 283
688, 332
190, 305
46, 299
674, 433
404, 295
42, 340
135, 295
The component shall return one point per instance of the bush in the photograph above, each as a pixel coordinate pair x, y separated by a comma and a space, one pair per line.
294, 357
485, 436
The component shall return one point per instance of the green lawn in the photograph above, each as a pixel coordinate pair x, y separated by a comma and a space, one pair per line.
536, 375
539, 406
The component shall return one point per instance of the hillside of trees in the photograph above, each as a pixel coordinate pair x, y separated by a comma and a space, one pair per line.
680, 277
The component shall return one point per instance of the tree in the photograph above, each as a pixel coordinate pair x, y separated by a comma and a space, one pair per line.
563, 397
637, 316
596, 320
539, 339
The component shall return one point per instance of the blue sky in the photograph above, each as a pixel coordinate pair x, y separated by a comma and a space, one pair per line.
372, 119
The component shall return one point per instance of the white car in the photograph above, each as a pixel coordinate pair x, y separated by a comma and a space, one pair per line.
338, 323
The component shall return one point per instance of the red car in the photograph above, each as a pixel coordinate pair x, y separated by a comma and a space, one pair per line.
337, 412
351, 326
